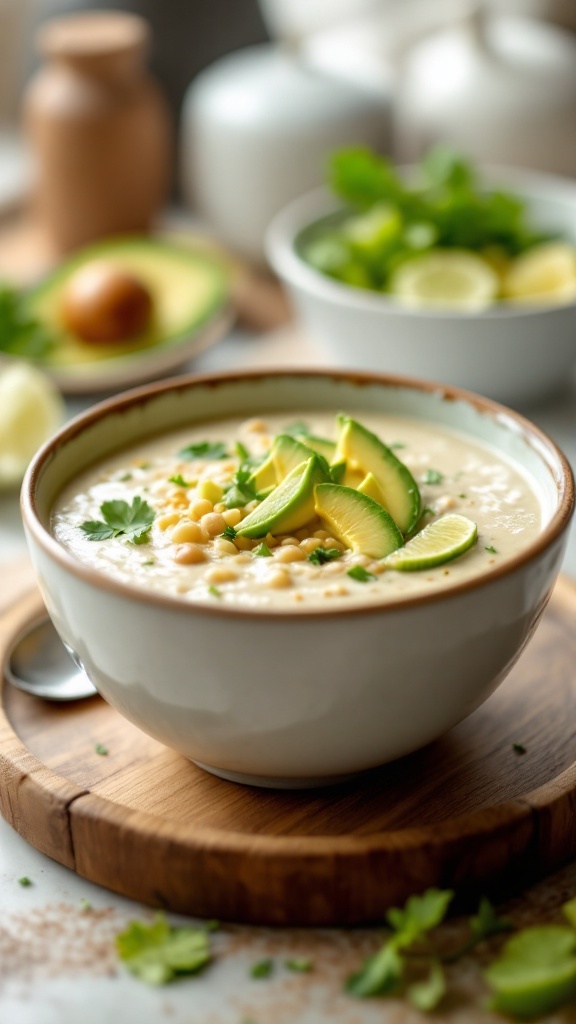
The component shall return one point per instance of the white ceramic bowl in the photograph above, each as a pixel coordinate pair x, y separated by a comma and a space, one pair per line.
297, 697
512, 354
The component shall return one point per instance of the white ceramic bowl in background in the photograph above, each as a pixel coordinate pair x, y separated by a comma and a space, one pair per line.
257, 128
295, 697
512, 354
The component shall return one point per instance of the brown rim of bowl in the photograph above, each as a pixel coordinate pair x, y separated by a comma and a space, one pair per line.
548, 451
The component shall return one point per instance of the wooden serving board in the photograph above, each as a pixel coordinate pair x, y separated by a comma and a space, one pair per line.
467, 812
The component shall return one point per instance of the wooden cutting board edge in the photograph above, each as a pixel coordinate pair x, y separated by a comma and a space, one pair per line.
79, 829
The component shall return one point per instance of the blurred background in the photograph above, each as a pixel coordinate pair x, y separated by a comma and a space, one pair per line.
265, 88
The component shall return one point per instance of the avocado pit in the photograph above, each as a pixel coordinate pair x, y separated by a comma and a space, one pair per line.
104, 303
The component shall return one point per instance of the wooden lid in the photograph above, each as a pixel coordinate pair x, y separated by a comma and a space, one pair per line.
93, 34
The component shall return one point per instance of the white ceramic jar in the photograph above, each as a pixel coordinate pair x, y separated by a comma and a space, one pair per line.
503, 89
257, 129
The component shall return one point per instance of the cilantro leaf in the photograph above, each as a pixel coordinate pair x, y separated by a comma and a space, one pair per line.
21, 333
362, 178
486, 922
379, 973
535, 972
321, 555
241, 451
229, 533
299, 964
179, 480
360, 574
432, 476
262, 969
426, 994
419, 915
156, 953
101, 749
262, 551
121, 519
204, 450
24, 881
97, 530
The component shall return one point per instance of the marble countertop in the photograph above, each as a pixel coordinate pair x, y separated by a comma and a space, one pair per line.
57, 958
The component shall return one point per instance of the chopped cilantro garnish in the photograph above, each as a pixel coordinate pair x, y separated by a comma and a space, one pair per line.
241, 451
262, 969
263, 551
297, 429
24, 881
156, 953
229, 533
179, 480
204, 450
214, 591
239, 492
148, 561
101, 749
125, 476
432, 476
491, 549
121, 519
518, 748
360, 574
427, 993
299, 964
462, 495
321, 555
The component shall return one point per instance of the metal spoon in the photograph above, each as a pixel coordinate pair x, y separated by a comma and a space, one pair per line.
40, 663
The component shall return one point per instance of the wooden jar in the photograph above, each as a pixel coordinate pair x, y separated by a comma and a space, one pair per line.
99, 129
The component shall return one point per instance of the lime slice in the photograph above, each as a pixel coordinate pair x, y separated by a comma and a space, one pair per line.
439, 542
31, 409
446, 279
290, 505
357, 520
544, 275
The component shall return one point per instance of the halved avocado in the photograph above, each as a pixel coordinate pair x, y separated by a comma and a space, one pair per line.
290, 505
186, 287
365, 452
357, 520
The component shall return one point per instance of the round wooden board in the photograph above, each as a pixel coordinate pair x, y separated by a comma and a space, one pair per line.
467, 812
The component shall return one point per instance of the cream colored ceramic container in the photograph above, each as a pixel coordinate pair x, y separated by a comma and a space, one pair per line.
295, 698
513, 354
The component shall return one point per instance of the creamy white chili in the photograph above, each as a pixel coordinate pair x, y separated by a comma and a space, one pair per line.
197, 501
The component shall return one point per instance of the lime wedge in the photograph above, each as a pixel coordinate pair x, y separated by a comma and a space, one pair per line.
357, 520
445, 279
544, 275
290, 505
439, 542
31, 409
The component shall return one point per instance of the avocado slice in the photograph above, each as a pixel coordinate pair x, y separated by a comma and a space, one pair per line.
357, 520
186, 286
365, 451
369, 487
290, 505
320, 445
285, 454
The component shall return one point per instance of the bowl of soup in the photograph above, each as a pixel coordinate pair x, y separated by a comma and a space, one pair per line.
293, 577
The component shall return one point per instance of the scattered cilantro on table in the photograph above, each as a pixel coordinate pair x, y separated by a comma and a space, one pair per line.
519, 748
262, 968
156, 953
24, 881
299, 964
101, 749
121, 520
